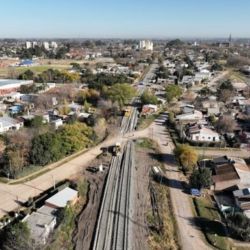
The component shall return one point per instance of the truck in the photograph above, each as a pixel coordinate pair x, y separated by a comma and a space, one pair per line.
127, 111
116, 149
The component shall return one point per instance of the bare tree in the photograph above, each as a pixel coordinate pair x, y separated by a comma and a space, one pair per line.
225, 124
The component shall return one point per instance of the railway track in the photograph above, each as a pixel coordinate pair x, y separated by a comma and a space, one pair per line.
112, 231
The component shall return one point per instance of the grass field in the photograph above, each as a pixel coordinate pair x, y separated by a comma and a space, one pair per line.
209, 223
7, 72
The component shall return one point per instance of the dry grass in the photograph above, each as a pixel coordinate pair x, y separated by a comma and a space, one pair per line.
167, 238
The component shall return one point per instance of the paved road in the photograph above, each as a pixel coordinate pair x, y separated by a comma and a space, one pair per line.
190, 236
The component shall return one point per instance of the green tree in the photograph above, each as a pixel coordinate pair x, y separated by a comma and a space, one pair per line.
27, 75
216, 67
175, 43
148, 98
240, 225
46, 148
201, 178
36, 122
187, 156
16, 237
120, 93
75, 137
173, 91
171, 117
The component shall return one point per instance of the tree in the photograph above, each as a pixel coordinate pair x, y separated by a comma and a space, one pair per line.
100, 128
240, 225
46, 148
175, 43
76, 66
27, 75
216, 67
171, 117
225, 124
173, 91
36, 122
120, 93
201, 178
148, 98
16, 237
16, 153
187, 156
224, 95
75, 137
205, 91
226, 84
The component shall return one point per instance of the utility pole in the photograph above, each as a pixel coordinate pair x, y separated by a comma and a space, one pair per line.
53, 180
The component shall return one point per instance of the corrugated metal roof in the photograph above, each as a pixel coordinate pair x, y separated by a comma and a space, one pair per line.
61, 198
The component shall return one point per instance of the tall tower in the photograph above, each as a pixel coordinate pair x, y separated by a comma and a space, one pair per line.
230, 40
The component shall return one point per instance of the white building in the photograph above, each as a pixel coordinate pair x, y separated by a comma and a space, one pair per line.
146, 45
57, 123
41, 223
193, 116
46, 45
8, 124
200, 133
62, 198
54, 45
28, 44
34, 44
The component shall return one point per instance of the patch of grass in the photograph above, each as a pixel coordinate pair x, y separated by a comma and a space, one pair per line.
4, 72
209, 221
145, 143
144, 122
167, 238
235, 75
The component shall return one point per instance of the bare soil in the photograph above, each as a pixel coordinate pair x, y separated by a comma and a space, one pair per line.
142, 204
87, 219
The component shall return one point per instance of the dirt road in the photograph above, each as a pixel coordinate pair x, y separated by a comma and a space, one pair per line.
12, 195
190, 236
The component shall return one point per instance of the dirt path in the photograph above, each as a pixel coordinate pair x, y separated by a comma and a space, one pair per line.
12, 195
190, 236
86, 226
141, 200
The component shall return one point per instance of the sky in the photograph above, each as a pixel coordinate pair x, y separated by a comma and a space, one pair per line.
124, 19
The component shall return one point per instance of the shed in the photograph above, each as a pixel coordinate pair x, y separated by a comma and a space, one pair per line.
60, 199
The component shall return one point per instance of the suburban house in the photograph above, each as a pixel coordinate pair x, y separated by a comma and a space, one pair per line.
211, 106
187, 80
242, 198
200, 76
74, 107
149, 109
57, 123
230, 174
195, 115
199, 133
187, 109
41, 223
8, 124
